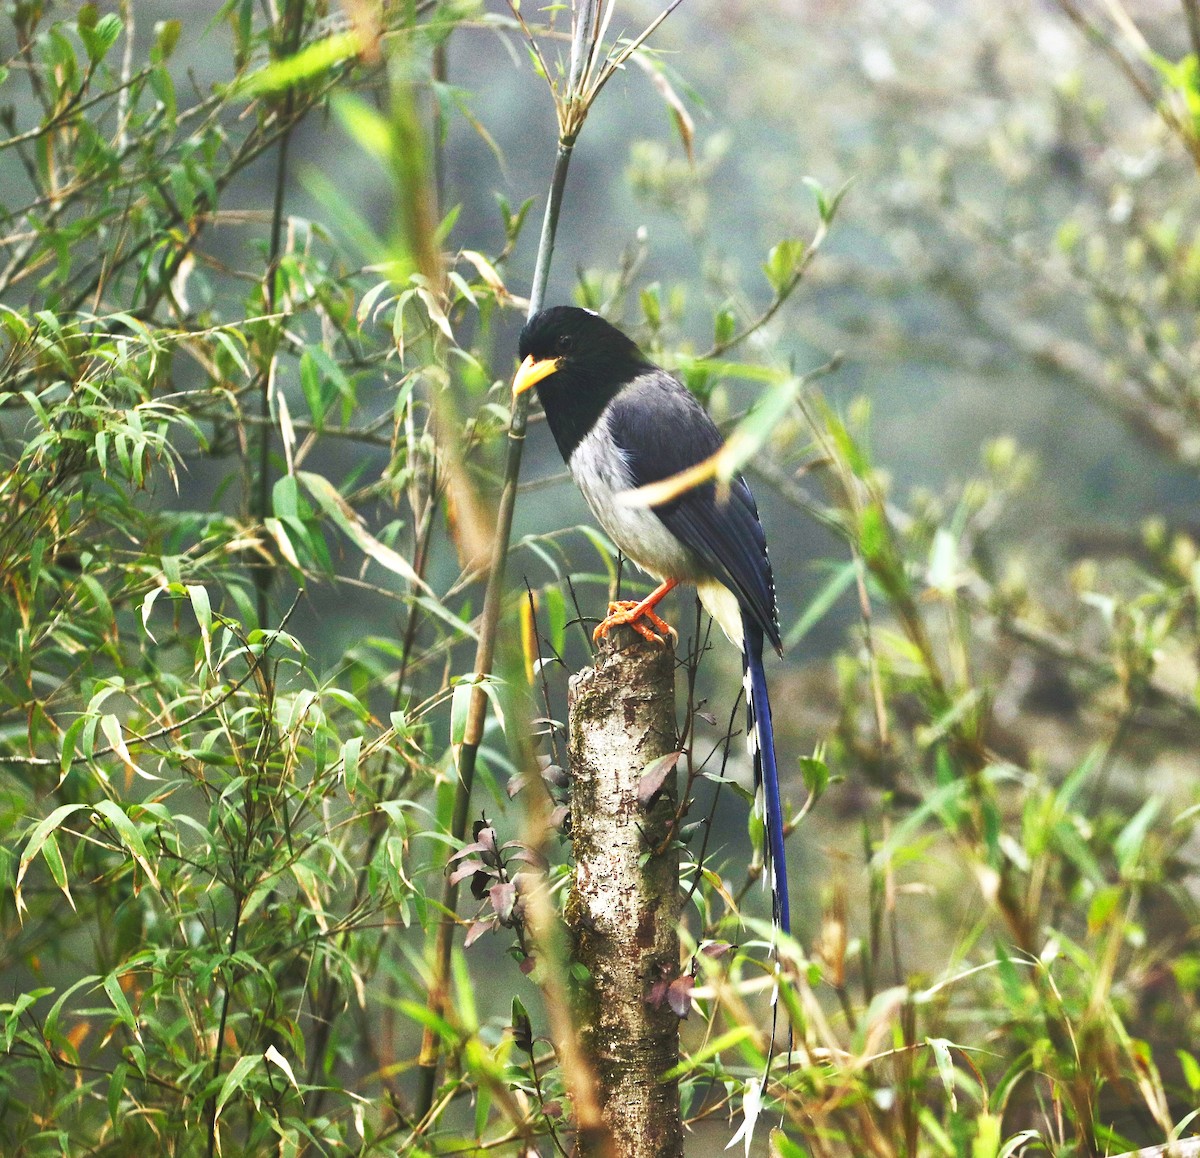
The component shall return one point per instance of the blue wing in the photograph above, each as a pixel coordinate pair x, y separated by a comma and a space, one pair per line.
662, 430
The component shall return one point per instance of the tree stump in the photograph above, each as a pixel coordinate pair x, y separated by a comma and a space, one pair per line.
624, 905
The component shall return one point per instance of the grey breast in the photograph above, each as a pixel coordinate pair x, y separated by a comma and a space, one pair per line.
601, 472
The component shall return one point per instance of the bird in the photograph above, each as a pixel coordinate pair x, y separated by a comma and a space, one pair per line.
621, 422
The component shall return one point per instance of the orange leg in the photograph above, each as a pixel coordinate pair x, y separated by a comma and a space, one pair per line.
630, 613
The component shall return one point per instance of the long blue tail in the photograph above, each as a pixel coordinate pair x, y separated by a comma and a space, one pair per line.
760, 738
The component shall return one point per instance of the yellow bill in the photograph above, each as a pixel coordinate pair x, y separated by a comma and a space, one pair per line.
531, 372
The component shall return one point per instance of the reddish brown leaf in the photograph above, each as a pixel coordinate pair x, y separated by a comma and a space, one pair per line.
503, 897
679, 995
466, 869
657, 771
477, 930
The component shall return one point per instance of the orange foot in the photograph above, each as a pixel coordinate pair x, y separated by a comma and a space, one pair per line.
630, 613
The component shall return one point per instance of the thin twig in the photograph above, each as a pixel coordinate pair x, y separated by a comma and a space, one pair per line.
262, 498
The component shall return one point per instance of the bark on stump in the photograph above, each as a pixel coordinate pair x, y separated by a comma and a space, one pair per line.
624, 906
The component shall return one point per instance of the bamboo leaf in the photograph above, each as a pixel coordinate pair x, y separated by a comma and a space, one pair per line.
276, 1058
945, 1066
347, 519
235, 1079
35, 843
202, 609
307, 64
131, 838
821, 603
350, 754
112, 987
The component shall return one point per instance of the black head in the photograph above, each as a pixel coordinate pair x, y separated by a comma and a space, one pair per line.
578, 362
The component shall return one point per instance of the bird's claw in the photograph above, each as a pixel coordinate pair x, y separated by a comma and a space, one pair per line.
630, 613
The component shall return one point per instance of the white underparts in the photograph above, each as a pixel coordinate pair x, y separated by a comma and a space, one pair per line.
722, 604
601, 472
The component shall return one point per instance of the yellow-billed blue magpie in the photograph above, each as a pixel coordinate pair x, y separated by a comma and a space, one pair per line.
622, 422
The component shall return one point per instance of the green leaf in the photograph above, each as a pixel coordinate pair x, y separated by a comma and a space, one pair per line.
119, 1002
53, 857
945, 1067
1191, 1069
285, 500
310, 384
50, 1027
147, 607
235, 1079
556, 618
116, 1091
821, 603
283, 541
754, 431
784, 263
712, 1048
522, 1026
14, 1009
370, 299
367, 125
937, 803
426, 1017
1104, 905
872, 533
226, 340
816, 775
446, 226
350, 754
166, 37
69, 752
1127, 847
779, 1145
307, 64
202, 609
651, 299
37, 840
986, 1143
332, 372
724, 327
110, 725
818, 192
131, 838
346, 518
1066, 837
99, 37
948, 721
460, 702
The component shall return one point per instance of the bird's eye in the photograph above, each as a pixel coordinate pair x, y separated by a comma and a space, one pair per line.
566, 343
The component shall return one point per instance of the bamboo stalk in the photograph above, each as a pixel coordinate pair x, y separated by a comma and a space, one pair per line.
492, 604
